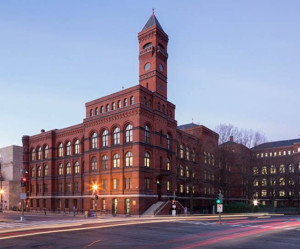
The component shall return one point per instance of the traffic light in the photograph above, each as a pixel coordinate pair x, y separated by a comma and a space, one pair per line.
218, 201
96, 197
23, 182
173, 202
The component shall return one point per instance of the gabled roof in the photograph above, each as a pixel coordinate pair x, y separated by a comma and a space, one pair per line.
186, 126
151, 22
277, 144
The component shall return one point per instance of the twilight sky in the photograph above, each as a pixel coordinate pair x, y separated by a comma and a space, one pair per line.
230, 61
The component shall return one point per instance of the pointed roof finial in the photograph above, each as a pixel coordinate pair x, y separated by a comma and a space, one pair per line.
153, 11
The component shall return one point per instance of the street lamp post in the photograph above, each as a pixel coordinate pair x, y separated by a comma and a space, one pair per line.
95, 188
1, 189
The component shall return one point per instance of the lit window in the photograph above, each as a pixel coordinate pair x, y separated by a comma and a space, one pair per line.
76, 167
45, 170
77, 144
46, 151
168, 164
94, 140
281, 193
291, 168
116, 133
39, 153
168, 185
147, 159
94, 163
116, 161
255, 171
187, 154
39, 171
128, 133
273, 169
181, 170
264, 182
128, 159
60, 150
105, 138
264, 170
187, 170
282, 181
168, 141
282, 169
255, 182
68, 168
69, 148
60, 169
298, 149
115, 184
181, 151
272, 182
33, 172
181, 188
263, 193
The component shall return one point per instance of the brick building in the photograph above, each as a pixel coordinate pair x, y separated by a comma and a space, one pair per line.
128, 146
276, 173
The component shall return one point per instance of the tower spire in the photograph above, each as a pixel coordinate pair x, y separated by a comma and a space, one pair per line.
153, 11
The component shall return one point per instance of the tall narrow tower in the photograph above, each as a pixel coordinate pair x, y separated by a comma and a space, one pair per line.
153, 56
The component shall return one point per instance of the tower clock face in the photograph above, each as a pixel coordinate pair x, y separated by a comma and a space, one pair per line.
147, 66
161, 67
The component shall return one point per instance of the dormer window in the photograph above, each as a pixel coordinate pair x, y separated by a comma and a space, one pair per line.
148, 45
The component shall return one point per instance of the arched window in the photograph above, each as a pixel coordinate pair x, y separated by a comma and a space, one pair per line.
105, 138
69, 171
39, 153
168, 164
150, 103
168, 141
45, 170
255, 183
187, 171
94, 140
104, 162
94, 163
158, 106
96, 111
116, 134
91, 112
181, 151
145, 101
125, 102
69, 148
33, 155
194, 156
163, 108
273, 169
60, 150
281, 181
272, 182
128, 133
128, 159
187, 153
39, 171
291, 168
113, 106
46, 152
107, 108
264, 170
119, 104
147, 45
147, 159
282, 169
76, 167
77, 146
181, 170
116, 161
131, 100
101, 109
60, 169
33, 172
147, 134
281, 193
264, 182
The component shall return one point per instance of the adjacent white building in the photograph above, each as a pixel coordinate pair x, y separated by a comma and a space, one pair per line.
10, 176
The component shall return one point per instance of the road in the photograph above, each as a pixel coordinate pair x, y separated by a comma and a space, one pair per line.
156, 232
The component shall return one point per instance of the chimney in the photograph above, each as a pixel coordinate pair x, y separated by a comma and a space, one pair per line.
231, 138
42, 130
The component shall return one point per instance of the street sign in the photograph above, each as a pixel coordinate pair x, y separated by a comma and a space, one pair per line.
23, 196
174, 206
220, 208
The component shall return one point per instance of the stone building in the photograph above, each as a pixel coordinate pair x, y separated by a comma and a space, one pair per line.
10, 175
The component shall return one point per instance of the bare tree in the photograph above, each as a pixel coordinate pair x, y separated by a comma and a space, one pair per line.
249, 138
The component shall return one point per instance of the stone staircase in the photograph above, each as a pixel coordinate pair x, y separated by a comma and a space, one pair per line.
152, 209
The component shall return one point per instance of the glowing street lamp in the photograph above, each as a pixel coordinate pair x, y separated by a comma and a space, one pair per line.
255, 202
